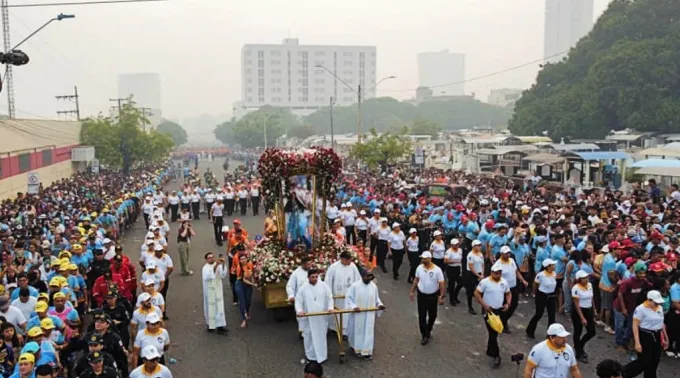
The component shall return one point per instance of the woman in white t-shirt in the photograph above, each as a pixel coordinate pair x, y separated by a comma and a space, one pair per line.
438, 250
453, 259
396, 244
383, 234
583, 314
361, 227
413, 250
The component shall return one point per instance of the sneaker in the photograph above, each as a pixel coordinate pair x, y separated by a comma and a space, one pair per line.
671, 354
472, 311
600, 323
496, 362
424, 340
582, 358
609, 330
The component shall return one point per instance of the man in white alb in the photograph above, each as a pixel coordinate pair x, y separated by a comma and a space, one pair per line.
340, 276
314, 296
213, 294
296, 280
361, 326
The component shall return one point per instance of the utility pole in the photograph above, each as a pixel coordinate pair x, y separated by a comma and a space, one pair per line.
145, 112
332, 133
359, 120
119, 101
74, 97
7, 45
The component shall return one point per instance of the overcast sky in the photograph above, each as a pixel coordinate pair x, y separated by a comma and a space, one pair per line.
195, 45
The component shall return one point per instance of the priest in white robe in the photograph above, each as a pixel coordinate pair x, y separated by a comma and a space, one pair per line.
361, 326
314, 296
340, 276
213, 298
297, 280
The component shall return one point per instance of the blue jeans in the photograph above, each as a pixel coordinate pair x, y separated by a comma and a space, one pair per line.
623, 326
244, 293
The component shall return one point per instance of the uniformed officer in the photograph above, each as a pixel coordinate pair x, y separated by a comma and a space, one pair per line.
97, 367
552, 357
493, 293
112, 341
119, 310
95, 345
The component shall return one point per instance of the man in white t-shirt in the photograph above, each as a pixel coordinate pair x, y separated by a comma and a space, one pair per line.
25, 303
429, 284
552, 357
12, 315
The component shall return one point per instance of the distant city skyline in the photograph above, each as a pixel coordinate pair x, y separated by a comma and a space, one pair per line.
145, 89
566, 22
442, 67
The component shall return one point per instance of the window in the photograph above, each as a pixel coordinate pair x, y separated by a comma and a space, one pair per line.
24, 162
46, 157
249, 62
260, 63
260, 82
260, 54
250, 81
250, 99
318, 90
249, 90
319, 81
347, 53
347, 63
319, 53
275, 53
320, 99
249, 71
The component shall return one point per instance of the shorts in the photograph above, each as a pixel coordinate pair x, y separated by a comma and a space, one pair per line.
558, 288
607, 300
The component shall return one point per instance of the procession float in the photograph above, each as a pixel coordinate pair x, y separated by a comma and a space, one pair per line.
293, 182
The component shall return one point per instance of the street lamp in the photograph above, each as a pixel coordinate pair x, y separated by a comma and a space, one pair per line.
59, 17
358, 92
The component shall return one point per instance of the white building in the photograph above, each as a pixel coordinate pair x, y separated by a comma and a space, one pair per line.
145, 89
566, 21
437, 68
290, 75
505, 97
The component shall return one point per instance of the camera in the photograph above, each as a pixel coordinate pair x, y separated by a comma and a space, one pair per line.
517, 358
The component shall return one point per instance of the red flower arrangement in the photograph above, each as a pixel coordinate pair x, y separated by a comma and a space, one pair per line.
276, 165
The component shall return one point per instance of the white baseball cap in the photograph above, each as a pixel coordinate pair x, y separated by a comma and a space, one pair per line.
548, 262
655, 296
496, 267
158, 247
557, 329
505, 249
376, 211
455, 241
150, 264
362, 212
150, 352
383, 219
426, 255
437, 233
153, 318
149, 281
144, 297
412, 230
395, 224
581, 274
476, 242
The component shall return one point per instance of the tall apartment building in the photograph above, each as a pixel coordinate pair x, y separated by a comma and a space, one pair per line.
290, 75
443, 67
145, 89
566, 21
505, 97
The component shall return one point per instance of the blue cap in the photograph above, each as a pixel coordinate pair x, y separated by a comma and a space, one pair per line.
30, 347
541, 239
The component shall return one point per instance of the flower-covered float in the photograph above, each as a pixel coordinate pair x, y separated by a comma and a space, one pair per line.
286, 177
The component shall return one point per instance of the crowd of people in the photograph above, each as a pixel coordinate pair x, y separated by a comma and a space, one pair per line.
605, 261
68, 295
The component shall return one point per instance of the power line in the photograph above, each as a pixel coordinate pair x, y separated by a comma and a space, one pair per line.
80, 3
483, 76
74, 97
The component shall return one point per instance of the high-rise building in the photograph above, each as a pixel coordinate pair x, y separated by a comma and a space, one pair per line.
566, 21
443, 67
293, 76
505, 97
145, 89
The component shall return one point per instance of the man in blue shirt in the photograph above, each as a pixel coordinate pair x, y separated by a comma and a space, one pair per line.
22, 280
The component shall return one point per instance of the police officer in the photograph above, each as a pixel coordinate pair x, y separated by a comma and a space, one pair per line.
493, 293
95, 345
552, 357
112, 341
97, 367
650, 336
119, 310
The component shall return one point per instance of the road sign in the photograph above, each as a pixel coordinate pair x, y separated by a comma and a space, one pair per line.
33, 183
419, 158
94, 166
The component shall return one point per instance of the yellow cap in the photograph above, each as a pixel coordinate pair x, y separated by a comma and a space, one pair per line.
46, 323
44, 296
2, 289
94, 214
35, 332
76, 248
105, 209
59, 295
65, 254
40, 307
72, 266
63, 261
55, 281
27, 357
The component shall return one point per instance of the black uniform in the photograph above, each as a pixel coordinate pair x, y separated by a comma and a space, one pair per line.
108, 372
83, 365
114, 345
121, 315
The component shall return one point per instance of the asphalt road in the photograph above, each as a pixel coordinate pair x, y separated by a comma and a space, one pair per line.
272, 349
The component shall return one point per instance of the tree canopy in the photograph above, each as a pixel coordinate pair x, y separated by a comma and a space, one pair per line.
176, 132
383, 149
624, 74
422, 126
120, 143
250, 129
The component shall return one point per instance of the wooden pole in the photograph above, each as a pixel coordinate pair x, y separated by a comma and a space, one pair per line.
313, 210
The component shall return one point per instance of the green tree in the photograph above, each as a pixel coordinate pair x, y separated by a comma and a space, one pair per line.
176, 132
249, 131
301, 131
422, 126
121, 143
382, 149
624, 74
384, 113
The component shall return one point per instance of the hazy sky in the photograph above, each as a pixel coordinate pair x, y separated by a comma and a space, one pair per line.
195, 45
